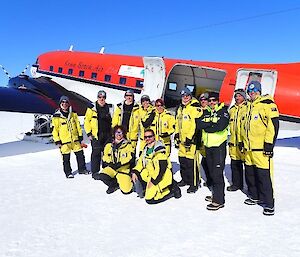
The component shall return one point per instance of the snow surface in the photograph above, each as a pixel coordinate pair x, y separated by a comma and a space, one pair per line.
44, 214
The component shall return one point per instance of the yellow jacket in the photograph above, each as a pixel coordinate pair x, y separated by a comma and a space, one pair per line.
132, 133
143, 114
155, 167
163, 125
91, 120
215, 126
260, 124
119, 157
235, 114
186, 117
66, 129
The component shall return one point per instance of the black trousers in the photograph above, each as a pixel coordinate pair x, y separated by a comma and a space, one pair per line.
80, 162
96, 156
205, 168
107, 180
237, 173
188, 171
259, 185
215, 157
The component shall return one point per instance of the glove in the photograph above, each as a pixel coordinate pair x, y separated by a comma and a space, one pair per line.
58, 142
162, 135
241, 146
115, 166
268, 150
188, 142
176, 140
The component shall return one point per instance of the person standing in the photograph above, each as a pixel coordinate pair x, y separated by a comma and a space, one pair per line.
154, 171
126, 114
185, 130
97, 125
237, 157
67, 135
214, 123
203, 99
259, 133
117, 159
162, 123
144, 110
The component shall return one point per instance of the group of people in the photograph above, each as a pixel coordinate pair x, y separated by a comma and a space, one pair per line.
200, 128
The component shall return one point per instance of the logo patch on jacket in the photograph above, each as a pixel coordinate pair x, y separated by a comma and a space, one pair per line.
124, 155
185, 117
255, 117
274, 109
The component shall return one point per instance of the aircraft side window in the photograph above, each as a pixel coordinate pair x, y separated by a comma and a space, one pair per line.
122, 81
139, 83
107, 78
70, 71
94, 75
172, 86
81, 73
60, 69
51, 68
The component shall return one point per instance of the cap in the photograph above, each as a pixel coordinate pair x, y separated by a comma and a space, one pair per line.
254, 86
241, 92
102, 93
64, 98
185, 91
145, 98
203, 96
213, 95
129, 92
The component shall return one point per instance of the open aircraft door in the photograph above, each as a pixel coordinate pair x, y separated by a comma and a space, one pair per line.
154, 77
267, 78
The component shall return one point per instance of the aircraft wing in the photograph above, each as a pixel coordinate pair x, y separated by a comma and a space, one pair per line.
38, 95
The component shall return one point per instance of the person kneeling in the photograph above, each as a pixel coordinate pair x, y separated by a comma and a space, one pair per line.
117, 159
154, 171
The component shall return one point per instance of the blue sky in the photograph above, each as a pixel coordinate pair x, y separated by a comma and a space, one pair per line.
232, 31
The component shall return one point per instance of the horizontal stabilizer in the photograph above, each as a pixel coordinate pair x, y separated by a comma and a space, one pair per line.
38, 95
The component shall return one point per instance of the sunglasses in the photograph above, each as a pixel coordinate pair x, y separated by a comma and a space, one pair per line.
129, 95
250, 90
148, 136
203, 99
64, 102
212, 100
119, 132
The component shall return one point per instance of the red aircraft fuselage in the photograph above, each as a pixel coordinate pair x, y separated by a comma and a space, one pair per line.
86, 73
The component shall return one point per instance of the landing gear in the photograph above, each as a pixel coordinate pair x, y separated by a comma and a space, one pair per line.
41, 131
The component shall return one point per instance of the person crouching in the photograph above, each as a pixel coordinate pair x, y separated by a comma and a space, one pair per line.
154, 171
117, 158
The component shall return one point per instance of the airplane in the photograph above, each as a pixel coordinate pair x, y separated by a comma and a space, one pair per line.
80, 75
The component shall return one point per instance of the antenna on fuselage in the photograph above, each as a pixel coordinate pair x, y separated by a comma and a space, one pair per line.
71, 48
102, 50
23, 72
5, 71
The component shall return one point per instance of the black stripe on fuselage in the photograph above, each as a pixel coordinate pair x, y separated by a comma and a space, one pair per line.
289, 118
113, 86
